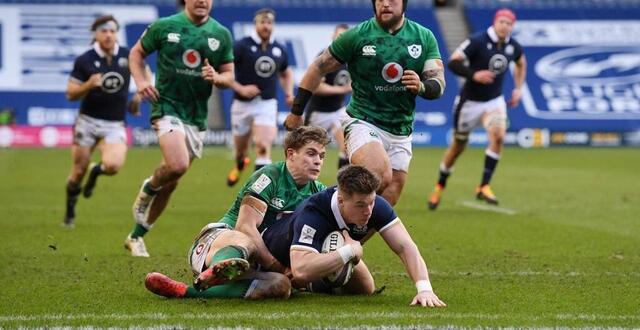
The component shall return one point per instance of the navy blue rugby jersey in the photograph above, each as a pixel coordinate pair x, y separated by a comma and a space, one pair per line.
331, 103
313, 220
255, 66
108, 102
484, 52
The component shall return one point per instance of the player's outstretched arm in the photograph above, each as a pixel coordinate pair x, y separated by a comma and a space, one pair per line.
308, 266
401, 243
250, 217
323, 64
137, 67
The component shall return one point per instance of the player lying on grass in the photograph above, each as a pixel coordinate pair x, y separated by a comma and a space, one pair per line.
220, 256
354, 208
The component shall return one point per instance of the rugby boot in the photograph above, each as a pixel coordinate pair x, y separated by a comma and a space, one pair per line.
136, 246
163, 285
222, 272
436, 196
485, 193
234, 174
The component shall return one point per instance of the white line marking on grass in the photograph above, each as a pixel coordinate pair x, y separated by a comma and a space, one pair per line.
523, 273
313, 316
491, 208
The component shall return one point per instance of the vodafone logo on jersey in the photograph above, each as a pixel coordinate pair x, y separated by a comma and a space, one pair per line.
191, 58
392, 72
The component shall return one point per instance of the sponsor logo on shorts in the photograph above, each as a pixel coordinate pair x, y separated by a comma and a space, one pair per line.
392, 72
191, 58
199, 248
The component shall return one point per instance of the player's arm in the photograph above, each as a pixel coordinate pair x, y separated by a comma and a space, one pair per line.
308, 266
431, 85
323, 64
137, 67
519, 75
76, 90
224, 77
457, 64
250, 216
401, 243
325, 89
286, 82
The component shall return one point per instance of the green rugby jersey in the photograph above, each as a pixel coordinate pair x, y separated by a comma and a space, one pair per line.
182, 47
376, 61
274, 185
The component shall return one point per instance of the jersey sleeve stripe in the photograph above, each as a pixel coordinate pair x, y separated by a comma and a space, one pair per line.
303, 247
393, 222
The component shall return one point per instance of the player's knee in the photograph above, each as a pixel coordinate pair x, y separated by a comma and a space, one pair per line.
111, 168
262, 148
177, 169
386, 179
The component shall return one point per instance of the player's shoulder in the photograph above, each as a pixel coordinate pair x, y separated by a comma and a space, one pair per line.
123, 51
416, 27
88, 56
244, 41
213, 24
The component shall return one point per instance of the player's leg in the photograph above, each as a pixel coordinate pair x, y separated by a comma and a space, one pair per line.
155, 192
365, 148
495, 123
241, 121
264, 129
466, 116
228, 257
113, 151
399, 151
80, 156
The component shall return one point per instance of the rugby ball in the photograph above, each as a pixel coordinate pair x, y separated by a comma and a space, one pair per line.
332, 242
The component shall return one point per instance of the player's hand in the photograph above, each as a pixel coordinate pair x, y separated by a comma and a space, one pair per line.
357, 247
95, 80
148, 92
427, 298
289, 99
133, 107
411, 80
516, 95
249, 91
484, 77
292, 122
210, 74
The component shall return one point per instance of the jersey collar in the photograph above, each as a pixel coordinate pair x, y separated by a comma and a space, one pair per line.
494, 37
336, 211
101, 52
257, 40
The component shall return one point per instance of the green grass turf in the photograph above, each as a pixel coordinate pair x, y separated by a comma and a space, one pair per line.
569, 256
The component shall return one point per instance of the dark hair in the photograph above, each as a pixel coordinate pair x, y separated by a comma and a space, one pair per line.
103, 19
342, 26
302, 135
264, 11
357, 179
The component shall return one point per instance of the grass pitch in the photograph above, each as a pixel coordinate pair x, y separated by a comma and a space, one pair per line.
562, 250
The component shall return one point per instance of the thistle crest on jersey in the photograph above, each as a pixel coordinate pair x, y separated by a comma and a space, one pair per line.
392, 72
191, 58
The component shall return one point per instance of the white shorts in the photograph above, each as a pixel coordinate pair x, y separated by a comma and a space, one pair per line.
328, 120
357, 133
87, 131
192, 135
245, 114
197, 255
471, 114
